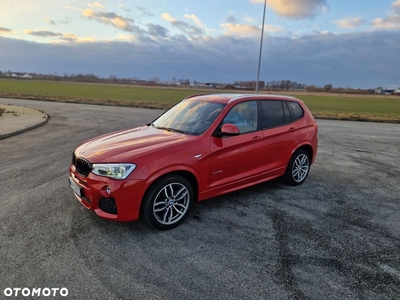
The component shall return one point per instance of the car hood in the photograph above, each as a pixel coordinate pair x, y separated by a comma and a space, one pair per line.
126, 145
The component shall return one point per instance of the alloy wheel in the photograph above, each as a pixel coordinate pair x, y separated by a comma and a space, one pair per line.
171, 203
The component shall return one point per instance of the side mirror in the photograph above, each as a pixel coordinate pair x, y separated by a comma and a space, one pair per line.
230, 130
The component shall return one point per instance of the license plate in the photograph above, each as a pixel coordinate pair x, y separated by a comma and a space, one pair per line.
74, 187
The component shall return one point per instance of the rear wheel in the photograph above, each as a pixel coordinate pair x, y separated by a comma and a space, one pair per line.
298, 168
167, 202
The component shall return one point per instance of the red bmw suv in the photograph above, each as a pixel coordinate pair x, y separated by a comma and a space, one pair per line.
204, 146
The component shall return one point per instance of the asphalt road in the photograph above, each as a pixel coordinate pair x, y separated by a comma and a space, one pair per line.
337, 236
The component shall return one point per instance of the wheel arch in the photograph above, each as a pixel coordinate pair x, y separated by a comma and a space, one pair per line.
289, 175
147, 210
189, 176
309, 149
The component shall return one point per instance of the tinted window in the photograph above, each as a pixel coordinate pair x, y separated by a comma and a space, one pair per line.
244, 116
296, 110
273, 114
286, 112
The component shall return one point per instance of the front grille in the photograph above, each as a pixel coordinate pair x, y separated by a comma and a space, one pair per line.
82, 166
108, 205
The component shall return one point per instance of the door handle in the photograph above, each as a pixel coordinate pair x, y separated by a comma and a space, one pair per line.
256, 138
292, 129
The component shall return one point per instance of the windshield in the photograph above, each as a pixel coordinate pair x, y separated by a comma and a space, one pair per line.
188, 116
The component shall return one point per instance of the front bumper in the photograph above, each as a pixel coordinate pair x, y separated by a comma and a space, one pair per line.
109, 198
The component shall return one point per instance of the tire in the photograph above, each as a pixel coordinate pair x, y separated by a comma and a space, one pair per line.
298, 168
167, 202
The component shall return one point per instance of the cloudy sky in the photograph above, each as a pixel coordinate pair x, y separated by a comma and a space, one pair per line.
345, 43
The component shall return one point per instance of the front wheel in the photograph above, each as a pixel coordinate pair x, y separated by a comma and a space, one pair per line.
298, 168
167, 202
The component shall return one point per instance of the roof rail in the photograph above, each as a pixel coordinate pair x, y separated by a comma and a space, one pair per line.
237, 97
195, 95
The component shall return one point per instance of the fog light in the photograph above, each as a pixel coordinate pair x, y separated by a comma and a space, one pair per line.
108, 190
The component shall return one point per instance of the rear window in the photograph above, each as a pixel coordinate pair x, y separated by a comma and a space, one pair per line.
295, 110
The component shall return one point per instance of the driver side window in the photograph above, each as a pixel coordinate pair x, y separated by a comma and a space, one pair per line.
244, 116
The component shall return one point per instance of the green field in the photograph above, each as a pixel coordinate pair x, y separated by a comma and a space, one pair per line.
323, 105
360, 107
123, 95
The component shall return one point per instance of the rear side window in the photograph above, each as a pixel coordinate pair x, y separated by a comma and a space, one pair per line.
296, 110
288, 116
275, 113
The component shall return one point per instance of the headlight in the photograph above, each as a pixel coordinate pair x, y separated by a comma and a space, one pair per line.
115, 171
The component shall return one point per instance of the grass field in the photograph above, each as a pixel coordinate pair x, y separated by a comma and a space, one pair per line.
93, 93
332, 106
362, 107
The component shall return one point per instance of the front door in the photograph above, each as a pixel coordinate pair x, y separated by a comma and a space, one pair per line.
235, 160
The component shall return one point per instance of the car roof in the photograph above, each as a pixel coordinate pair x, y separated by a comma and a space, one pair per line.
228, 98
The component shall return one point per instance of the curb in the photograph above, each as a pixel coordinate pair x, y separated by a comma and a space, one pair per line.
46, 118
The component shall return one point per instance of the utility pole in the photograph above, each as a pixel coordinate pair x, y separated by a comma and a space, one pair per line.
261, 42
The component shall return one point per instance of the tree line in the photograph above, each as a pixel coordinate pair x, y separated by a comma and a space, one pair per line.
274, 85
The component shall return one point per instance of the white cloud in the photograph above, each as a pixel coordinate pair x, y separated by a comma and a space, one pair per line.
72, 8
194, 19
272, 28
240, 29
350, 22
168, 17
248, 19
113, 19
48, 20
396, 6
4, 30
243, 30
392, 21
185, 27
96, 5
126, 37
43, 33
57, 37
296, 9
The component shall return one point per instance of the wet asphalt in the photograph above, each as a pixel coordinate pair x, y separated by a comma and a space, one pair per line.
337, 236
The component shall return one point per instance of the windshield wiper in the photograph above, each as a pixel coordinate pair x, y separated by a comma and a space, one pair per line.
170, 129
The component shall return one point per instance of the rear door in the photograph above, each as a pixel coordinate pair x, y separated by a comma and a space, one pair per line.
280, 136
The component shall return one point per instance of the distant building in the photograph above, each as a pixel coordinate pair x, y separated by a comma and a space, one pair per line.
20, 75
210, 85
387, 92
382, 91
378, 90
250, 84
